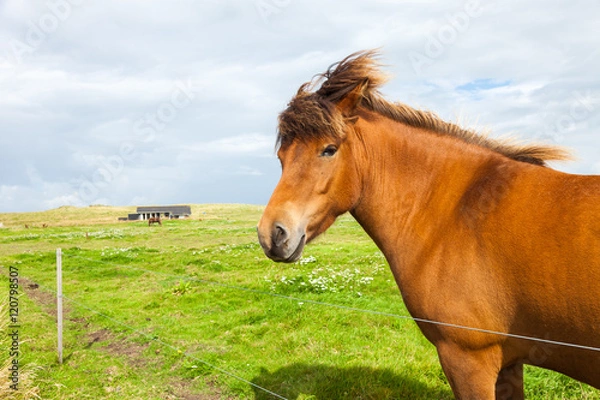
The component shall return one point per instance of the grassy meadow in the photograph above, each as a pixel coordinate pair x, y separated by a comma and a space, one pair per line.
194, 310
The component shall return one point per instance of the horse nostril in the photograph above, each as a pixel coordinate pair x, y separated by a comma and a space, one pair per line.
280, 235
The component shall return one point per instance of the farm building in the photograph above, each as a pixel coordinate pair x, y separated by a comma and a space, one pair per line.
167, 212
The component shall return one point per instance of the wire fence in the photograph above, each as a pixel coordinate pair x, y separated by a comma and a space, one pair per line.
279, 296
349, 308
162, 342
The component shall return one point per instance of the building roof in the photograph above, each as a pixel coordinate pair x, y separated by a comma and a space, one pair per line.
175, 210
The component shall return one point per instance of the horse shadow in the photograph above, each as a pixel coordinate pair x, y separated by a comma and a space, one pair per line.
324, 382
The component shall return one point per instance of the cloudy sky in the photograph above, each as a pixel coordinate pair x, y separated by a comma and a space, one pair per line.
131, 102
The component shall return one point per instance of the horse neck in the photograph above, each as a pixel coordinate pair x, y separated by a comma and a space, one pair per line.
413, 183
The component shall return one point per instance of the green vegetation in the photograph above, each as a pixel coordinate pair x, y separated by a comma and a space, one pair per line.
160, 313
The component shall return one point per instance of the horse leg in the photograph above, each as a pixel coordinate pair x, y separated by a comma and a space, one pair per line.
510, 383
472, 375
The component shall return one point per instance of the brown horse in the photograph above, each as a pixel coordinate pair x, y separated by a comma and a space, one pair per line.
480, 234
154, 220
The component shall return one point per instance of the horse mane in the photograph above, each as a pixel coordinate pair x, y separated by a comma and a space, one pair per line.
313, 114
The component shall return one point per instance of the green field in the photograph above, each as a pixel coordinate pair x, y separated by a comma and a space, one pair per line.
194, 310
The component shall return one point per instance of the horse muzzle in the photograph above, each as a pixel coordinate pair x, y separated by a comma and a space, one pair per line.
280, 244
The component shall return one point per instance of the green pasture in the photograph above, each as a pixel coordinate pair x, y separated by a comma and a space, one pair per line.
194, 310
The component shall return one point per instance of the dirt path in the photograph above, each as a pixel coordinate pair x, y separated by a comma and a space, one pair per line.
106, 341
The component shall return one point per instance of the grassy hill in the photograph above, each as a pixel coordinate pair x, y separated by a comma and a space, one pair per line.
194, 310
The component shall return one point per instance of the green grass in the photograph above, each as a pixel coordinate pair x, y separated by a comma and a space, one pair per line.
167, 309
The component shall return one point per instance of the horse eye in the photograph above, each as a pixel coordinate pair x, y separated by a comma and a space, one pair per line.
329, 151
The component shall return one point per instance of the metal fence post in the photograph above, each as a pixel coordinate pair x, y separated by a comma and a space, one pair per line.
59, 304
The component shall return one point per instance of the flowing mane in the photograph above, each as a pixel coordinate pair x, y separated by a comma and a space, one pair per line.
313, 114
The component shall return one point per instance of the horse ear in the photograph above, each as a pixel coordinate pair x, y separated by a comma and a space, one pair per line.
347, 105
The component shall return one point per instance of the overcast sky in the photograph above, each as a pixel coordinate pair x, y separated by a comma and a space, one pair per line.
161, 102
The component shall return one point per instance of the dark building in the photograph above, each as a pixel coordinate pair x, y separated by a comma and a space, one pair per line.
167, 212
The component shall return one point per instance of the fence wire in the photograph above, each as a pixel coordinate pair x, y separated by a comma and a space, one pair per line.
162, 342
286, 297
348, 308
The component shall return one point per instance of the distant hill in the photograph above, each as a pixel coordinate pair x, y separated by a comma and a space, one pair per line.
101, 214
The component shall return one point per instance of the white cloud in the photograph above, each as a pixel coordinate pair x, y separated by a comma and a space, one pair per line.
249, 143
245, 170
